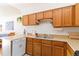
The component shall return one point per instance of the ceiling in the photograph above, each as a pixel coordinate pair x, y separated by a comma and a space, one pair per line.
7, 9
27, 8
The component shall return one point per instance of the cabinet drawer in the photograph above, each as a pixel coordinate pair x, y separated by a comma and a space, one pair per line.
58, 43
29, 40
37, 40
48, 42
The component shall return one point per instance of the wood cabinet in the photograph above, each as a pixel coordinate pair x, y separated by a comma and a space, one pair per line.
42, 47
77, 15
59, 48
70, 51
46, 48
25, 20
36, 47
29, 20
57, 51
48, 14
29, 46
68, 16
32, 19
39, 16
64, 17
57, 17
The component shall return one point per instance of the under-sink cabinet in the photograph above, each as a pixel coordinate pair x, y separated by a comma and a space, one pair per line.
46, 48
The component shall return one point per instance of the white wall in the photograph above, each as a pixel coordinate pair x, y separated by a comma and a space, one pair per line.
9, 13
47, 28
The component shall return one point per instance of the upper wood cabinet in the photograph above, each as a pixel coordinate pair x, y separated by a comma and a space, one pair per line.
39, 16
64, 17
77, 15
25, 20
48, 14
68, 16
29, 20
32, 19
61, 17
57, 17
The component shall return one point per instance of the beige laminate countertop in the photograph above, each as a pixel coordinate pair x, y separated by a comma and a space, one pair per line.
10, 38
73, 43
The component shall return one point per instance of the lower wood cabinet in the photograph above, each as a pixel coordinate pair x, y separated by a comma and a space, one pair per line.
70, 51
29, 46
57, 51
39, 47
36, 47
46, 50
59, 48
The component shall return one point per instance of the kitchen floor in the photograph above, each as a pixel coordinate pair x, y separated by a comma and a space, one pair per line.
0, 51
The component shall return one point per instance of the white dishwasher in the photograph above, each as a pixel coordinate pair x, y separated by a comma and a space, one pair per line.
18, 47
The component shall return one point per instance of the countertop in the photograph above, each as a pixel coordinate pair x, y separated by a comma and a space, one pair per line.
73, 43
10, 38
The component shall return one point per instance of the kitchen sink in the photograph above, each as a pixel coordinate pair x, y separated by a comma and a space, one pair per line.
43, 37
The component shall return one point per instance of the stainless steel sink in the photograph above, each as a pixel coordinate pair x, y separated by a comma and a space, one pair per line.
46, 37
43, 36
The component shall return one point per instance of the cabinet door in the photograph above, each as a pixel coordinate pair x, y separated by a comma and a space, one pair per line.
59, 48
68, 16
46, 50
39, 16
57, 51
70, 51
77, 15
29, 46
32, 19
57, 17
25, 20
36, 47
48, 14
